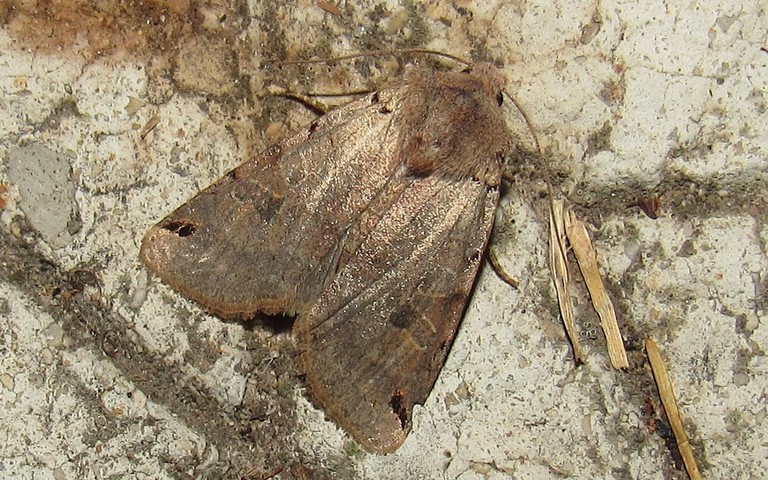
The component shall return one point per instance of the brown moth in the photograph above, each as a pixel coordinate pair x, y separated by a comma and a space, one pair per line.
369, 226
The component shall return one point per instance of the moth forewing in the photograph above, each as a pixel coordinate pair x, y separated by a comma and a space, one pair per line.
375, 340
263, 238
374, 343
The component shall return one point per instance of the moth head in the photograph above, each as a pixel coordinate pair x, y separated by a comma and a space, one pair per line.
491, 79
450, 124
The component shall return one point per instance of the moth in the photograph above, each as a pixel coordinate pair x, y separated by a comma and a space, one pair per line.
369, 227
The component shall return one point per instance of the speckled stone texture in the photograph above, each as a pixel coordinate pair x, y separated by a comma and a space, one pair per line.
107, 373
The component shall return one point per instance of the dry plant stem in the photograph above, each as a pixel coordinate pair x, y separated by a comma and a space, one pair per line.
151, 124
587, 259
667, 395
329, 8
559, 268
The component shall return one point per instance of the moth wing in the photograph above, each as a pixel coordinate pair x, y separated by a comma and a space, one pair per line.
265, 236
375, 341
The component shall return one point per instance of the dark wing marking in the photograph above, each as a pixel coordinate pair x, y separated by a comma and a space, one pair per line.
376, 339
265, 237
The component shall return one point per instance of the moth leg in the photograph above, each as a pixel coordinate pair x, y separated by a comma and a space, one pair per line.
493, 261
310, 101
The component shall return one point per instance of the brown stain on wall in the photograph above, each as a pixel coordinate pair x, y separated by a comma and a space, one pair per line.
94, 29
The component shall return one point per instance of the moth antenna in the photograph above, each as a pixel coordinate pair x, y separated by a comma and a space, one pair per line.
526, 119
375, 53
304, 97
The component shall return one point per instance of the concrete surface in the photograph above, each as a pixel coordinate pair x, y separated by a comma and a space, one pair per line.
107, 373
